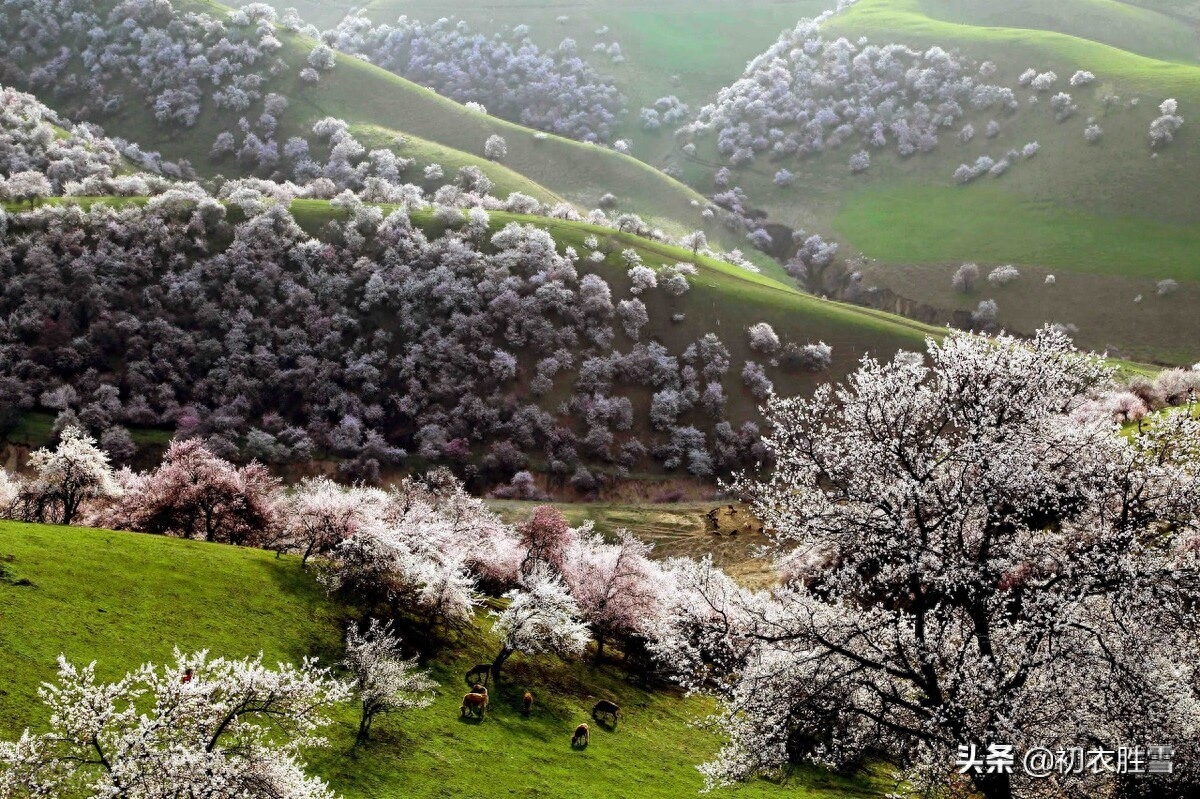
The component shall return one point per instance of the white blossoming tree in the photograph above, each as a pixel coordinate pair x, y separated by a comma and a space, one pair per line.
198, 727
541, 617
320, 514
383, 679
617, 587
966, 564
75, 471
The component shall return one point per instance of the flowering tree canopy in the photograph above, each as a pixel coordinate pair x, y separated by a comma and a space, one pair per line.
998, 561
384, 680
541, 617
616, 587
233, 728
74, 471
198, 495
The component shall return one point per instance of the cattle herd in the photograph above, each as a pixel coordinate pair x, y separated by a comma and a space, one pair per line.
475, 703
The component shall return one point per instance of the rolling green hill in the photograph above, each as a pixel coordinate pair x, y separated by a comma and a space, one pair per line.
440, 129
123, 599
1109, 216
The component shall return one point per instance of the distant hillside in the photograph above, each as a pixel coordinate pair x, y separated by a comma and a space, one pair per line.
1107, 219
366, 96
357, 337
1110, 219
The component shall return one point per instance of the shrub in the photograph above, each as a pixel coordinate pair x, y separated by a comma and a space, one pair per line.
1003, 275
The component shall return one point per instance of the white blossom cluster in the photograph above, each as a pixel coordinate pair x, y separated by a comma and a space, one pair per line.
200, 726
1000, 559
807, 94
554, 90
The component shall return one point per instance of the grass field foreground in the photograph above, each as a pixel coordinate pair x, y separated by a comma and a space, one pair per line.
126, 598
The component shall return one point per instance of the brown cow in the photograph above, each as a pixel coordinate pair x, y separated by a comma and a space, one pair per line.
581, 736
606, 707
475, 704
527, 702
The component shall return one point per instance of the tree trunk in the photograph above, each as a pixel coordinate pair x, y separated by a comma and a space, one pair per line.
68, 509
994, 786
364, 728
599, 648
498, 663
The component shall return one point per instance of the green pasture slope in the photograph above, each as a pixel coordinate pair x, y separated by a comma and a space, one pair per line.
1116, 178
123, 599
1109, 217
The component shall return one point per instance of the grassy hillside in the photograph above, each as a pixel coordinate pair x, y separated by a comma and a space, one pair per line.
1110, 215
123, 599
689, 40
1122, 25
440, 129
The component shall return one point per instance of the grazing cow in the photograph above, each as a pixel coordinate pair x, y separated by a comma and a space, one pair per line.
581, 736
606, 707
527, 702
481, 670
712, 520
475, 704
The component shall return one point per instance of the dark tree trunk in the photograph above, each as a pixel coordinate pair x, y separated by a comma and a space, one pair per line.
498, 663
364, 728
994, 786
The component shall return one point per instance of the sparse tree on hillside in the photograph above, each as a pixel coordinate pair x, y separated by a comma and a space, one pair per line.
66, 477
984, 315
694, 241
965, 278
541, 617
763, 338
1164, 127
231, 728
384, 680
811, 357
1003, 275
322, 57
495, 148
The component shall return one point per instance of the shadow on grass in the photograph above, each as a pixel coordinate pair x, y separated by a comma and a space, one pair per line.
471, 719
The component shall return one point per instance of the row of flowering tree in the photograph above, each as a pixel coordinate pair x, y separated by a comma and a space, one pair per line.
424, 551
